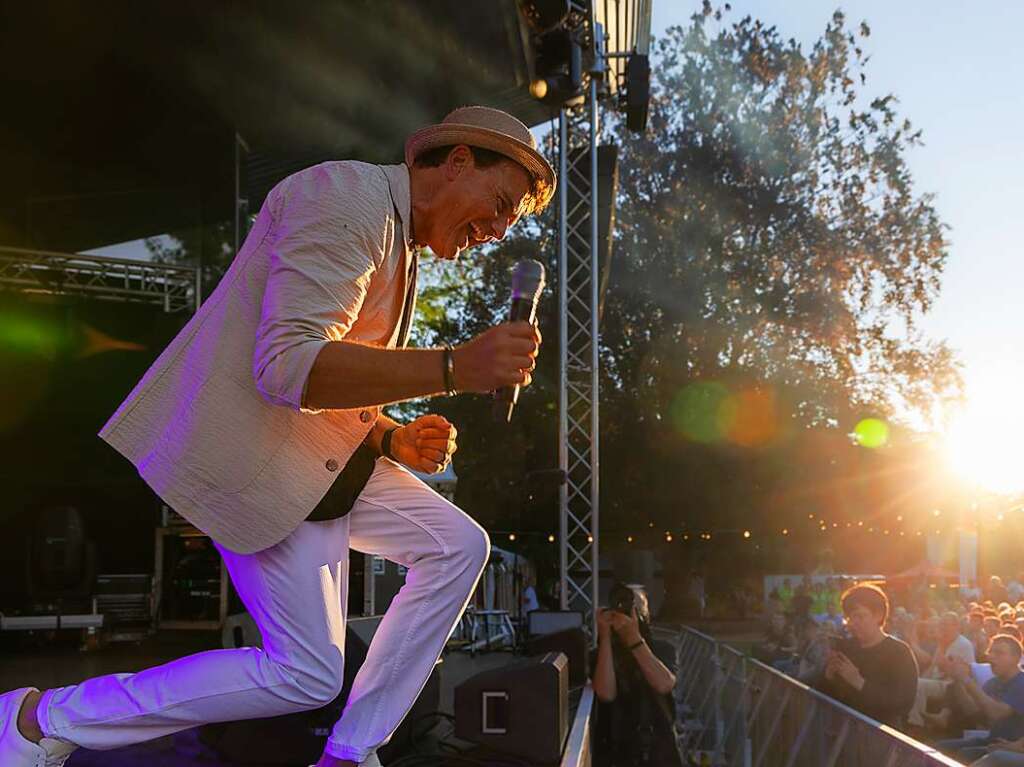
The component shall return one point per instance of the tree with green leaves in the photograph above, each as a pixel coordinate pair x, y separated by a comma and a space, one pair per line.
771, 259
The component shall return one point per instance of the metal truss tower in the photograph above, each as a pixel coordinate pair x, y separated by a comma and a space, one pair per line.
578, 279
624, 25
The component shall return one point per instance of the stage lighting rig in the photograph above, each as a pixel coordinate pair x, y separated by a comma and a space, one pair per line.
544, 15
558, 67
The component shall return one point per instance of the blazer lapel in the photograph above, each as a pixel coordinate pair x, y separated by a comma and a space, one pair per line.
409, 306
398, 185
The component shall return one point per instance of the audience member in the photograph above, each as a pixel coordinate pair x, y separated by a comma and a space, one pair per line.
786, 594
970, 591
924, 641
779, 642
832, 622
819, 601
1001, 699
975, 632
872, 671
814, 652
801, 606
996, 591
1015, 589
935, 678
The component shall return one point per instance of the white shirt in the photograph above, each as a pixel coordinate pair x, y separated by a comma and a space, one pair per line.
530, 600
960, 648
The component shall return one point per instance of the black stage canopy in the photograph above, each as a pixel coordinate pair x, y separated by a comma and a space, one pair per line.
118, 120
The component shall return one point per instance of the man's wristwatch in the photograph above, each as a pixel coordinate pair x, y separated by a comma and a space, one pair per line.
449, 371
385, 443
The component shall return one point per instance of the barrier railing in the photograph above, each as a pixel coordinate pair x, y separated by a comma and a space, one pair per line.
739, 712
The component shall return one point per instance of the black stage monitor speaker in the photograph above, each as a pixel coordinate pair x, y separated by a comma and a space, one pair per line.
550, 621
521, 710
572, 642
61, 560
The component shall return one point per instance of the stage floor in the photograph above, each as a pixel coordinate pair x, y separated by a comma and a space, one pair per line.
48, 666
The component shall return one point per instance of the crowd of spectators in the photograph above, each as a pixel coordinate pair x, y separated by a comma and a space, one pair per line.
939, 662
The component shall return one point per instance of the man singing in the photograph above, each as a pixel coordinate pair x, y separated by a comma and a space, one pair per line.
260, 423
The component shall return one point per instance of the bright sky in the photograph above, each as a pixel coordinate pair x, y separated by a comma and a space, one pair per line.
957, 70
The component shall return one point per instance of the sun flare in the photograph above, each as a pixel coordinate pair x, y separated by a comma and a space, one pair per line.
983, 442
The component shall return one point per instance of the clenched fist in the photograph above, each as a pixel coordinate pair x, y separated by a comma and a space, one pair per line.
426, 444
505, 355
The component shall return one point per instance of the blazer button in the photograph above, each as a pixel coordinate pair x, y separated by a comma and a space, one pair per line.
365, 416
331, 464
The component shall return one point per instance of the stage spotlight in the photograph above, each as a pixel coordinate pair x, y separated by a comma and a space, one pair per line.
544, 15
558, 65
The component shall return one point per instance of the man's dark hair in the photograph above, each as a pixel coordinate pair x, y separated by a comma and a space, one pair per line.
1010, 641
537, 198
484, 158
866, 595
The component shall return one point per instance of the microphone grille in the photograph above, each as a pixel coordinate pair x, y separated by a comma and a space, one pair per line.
527, 278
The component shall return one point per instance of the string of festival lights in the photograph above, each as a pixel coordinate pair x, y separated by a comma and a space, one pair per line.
938, 525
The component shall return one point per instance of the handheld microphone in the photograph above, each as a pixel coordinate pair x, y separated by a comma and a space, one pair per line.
527, 284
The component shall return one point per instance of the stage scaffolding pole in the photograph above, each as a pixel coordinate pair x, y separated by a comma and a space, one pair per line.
579, 362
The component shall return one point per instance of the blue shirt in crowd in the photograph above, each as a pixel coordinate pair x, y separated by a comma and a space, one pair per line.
1010, 692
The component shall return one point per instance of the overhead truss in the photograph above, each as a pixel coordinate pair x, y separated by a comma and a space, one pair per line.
173, 288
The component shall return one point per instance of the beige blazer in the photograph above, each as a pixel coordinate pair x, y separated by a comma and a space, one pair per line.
217, 426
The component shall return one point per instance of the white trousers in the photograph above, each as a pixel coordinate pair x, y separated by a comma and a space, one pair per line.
297, 592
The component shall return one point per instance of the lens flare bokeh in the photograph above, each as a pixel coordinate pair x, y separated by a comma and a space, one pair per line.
871, 433
709, 412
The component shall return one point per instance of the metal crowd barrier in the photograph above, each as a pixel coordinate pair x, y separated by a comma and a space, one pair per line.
736, 711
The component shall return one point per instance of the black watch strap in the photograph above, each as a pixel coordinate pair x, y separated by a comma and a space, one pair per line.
385, 443
448, 365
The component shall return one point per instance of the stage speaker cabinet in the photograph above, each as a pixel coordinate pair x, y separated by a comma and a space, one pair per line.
520, 710
572, 642
551, 621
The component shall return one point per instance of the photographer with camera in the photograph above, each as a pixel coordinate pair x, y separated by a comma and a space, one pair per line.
633, 677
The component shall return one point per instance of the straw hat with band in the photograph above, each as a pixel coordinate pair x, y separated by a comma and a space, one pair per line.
491, 129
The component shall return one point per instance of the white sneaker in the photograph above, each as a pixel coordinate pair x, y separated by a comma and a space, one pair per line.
15, 749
